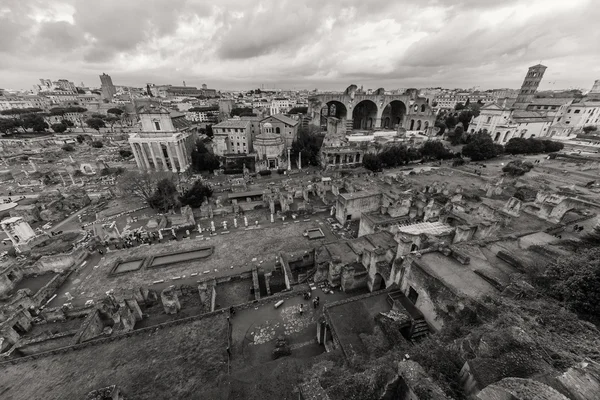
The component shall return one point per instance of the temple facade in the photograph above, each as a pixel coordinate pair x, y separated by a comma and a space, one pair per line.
160, 146
270, 149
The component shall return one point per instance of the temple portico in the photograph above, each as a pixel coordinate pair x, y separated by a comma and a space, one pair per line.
159, 146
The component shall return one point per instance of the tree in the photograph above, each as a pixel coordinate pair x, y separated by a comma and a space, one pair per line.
142, 184
80, 138
433, 149
209, 131
68, 123
459, 106
532, 146
242, 111
456, 135
202, 159
97, 144
9, 125
111, 120
125, 153
115, 111
35, 122
442, 127
451, 121
589, 129
481, 147
465, 118
298, 110
517, 168
59, 128
372, 162
308, 143
575, 280
95, 123
68, 147
165, 196
196, 195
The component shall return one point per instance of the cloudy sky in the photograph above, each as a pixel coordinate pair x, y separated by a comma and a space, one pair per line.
328, 44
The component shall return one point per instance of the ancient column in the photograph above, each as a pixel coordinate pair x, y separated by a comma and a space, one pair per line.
171, 158
151, 144
180, 157
136, 156
289, 160
300, 160
162, 157
144, 156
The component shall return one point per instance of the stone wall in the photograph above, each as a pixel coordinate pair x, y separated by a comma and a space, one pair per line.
435, 300
91, 328
352, 279
58, 263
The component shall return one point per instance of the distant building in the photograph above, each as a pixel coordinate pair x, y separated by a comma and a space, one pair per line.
596, 87
530, 85
270, 149
280, 105
209, 114
107, 87
232, 136
284, 126
160, 146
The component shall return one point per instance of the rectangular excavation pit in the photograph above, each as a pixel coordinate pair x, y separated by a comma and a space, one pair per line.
124, 266
315, 233
182, 256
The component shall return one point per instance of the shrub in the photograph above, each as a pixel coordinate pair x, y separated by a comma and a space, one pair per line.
97, 144
68, 147
517, 168
481, 147
532, 146
265, 172
125, 153
280, 171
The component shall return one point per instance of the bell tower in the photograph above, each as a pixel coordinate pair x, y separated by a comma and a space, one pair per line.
530, 85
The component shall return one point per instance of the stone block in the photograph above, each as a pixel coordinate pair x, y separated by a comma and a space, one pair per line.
170, 300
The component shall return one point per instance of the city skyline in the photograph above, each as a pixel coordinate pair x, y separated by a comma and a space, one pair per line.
234, 45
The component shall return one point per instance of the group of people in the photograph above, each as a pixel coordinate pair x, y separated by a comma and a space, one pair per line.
577, 228
315, 302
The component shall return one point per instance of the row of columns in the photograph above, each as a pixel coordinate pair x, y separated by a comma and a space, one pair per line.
343, 158
143, 152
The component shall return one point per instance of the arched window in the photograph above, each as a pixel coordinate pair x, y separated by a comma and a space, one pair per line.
277, 130
412, 124
497, 137
423, 108
419, 125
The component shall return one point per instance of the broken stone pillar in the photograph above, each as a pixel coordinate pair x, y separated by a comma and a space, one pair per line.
134, 307
513, 207
170, 300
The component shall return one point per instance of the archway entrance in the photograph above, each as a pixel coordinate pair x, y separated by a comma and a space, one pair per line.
364, 115
333, 109
378, 282
393, 115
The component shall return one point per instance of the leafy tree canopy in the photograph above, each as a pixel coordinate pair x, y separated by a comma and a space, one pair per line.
196, 195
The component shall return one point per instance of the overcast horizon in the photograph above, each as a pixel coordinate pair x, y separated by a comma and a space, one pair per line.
300, 44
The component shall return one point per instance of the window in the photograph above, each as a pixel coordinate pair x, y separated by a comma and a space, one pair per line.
157, 125
489, 119
277, 130
577, 111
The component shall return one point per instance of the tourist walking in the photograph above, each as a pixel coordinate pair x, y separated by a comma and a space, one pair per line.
301, 309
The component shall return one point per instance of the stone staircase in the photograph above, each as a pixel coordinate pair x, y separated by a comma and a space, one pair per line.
419, 327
